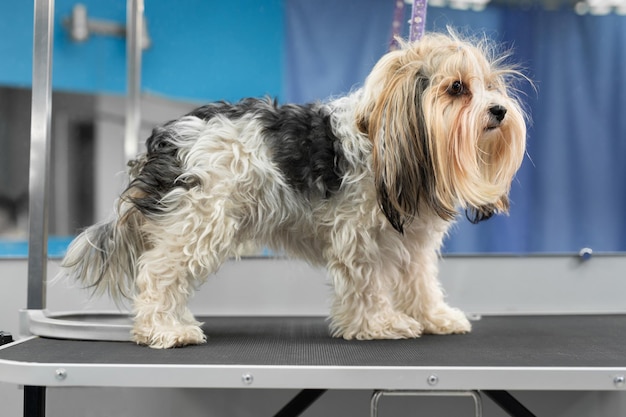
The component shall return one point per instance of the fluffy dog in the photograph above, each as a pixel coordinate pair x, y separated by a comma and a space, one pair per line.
366, 185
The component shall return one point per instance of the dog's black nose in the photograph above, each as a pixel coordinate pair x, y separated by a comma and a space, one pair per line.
498, 112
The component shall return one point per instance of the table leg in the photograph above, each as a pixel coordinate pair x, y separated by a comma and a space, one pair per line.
34, 401
300, 403
508, 403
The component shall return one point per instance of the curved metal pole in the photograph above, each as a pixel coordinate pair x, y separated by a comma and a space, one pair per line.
134, 33
38, 190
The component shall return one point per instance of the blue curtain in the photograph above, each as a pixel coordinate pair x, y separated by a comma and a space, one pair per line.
571, 190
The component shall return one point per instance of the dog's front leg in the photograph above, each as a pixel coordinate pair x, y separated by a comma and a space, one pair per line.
420, 296
361, 307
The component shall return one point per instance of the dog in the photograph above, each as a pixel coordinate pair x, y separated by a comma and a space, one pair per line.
366, 185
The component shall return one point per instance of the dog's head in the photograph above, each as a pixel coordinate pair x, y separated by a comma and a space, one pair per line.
447, 131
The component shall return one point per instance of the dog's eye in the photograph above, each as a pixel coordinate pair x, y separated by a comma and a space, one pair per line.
456, 88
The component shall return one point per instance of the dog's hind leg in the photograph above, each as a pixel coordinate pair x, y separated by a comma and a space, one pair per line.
163, 286
181, 256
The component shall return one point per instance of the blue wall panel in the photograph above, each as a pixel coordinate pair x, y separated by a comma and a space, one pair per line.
16, 42
215, 49
201, 50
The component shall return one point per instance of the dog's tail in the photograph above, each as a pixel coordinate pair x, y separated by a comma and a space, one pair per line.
103, 258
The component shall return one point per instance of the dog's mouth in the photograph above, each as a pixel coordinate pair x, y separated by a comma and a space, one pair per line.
492, 126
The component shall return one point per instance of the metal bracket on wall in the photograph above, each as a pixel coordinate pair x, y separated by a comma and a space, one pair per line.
80, 27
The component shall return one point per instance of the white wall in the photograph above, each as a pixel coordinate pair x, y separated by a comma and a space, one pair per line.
110, 165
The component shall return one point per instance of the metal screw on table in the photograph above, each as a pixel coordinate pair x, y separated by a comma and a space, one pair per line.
247, 379
60, 374
585, 254
432, 380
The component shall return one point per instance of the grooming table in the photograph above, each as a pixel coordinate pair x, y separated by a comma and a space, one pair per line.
502, 353
512, 352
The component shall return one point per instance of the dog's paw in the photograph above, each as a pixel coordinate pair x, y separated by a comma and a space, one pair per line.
446, 320
390, 326
169, 337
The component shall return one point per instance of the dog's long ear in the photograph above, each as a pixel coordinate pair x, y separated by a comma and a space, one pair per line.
393, 119
478, 214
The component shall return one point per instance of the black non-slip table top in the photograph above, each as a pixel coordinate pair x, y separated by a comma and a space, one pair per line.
518, 341
496, 343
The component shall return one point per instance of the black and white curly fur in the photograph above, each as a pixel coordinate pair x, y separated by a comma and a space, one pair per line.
365, 185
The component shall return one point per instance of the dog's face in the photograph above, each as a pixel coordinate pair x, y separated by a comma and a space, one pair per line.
446, 130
